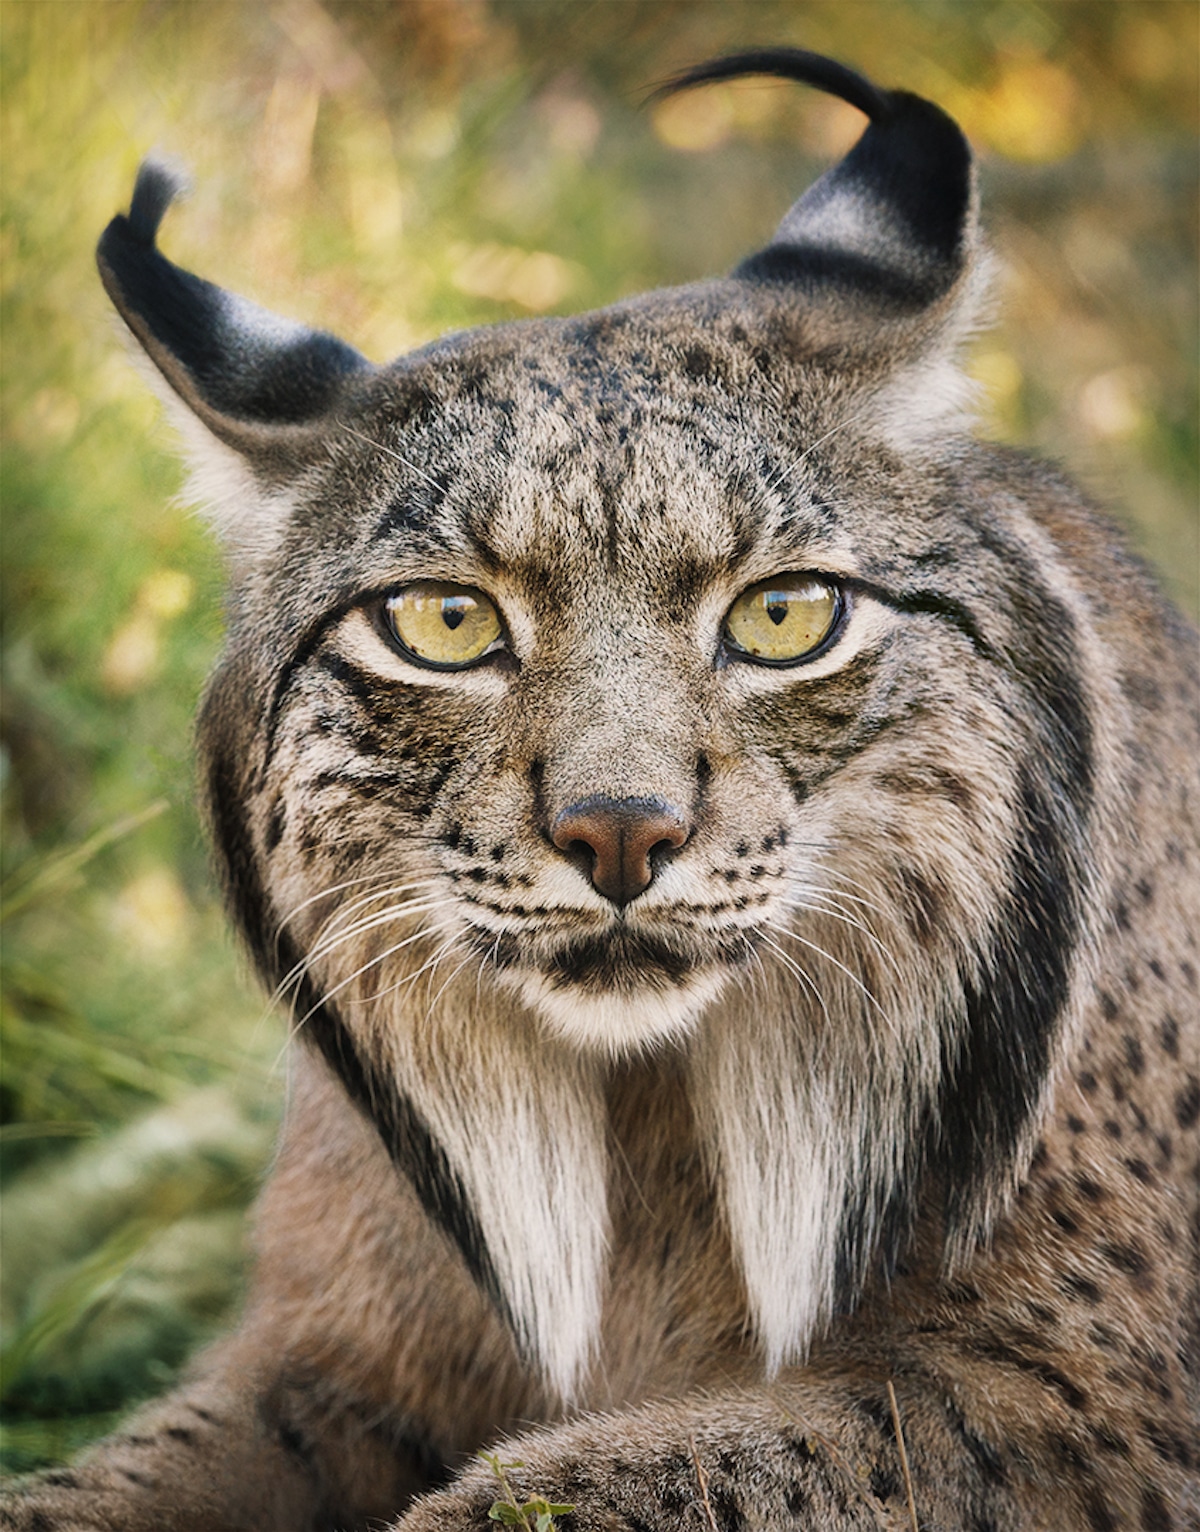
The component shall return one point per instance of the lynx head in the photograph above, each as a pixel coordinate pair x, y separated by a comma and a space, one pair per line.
678, 676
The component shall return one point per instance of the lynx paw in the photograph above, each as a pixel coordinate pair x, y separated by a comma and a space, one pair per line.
614, 1479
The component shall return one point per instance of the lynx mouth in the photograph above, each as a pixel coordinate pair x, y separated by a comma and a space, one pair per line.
620, 990
620, 993
619, 960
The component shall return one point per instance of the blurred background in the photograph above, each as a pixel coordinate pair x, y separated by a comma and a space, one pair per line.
389, 169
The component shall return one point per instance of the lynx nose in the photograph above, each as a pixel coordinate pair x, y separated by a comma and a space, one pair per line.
614, 840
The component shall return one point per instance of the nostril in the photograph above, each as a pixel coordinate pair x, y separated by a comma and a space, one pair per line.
660, 847
581, 852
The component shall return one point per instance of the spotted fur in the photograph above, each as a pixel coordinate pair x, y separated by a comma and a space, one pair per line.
889, 1073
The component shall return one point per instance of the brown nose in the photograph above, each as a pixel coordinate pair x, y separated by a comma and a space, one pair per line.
614, 841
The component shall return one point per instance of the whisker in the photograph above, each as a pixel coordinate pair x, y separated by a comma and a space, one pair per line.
829, 957
381, 957
448, 982
324, 893
408, 978
426, 967
319, 955
820, 904
384, 891
489, 956
327, 893
343, 911
334, 933
835, 875
322, 949
389, 891
846, 420
799, 971
758, 977
339, 937
399, 456
494, 955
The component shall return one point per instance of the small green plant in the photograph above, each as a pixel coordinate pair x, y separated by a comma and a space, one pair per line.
536, 1514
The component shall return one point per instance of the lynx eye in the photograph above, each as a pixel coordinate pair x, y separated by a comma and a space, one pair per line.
785, 619
441, 625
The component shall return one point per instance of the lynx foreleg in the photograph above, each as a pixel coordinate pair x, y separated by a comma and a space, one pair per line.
816, 1454
246, 1446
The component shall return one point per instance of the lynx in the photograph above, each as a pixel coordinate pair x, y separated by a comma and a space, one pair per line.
729, 840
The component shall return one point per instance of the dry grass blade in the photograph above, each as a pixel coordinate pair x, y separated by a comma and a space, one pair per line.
48, 874
702, 1479
908, 1487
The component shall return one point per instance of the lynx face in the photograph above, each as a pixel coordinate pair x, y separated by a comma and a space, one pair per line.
761, 808
616, 808
674, 677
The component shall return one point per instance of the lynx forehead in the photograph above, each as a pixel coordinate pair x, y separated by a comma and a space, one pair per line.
730, 843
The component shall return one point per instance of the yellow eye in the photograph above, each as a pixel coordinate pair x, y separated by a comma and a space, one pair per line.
785, 619
443, 625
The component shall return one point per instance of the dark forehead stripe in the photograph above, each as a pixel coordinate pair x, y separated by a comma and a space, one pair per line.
588, 403
411, 1145
410, 511
475, 525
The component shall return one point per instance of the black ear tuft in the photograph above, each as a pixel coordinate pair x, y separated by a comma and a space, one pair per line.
157, 186
893, 223
232, 362
786, 64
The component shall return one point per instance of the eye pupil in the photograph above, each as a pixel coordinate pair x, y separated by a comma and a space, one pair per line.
777, 607
453, 612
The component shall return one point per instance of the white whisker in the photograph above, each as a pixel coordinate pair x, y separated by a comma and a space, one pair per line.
336, 919
448, 982
758, 977
383, 891
489, 957
327, 893
835, 875
407, 978
846, 420
322, 949
399, 456
339, 938
799, 971
823, 904
381, 957
829, 957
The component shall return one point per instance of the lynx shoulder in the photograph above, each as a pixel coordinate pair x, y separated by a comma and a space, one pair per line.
730, 842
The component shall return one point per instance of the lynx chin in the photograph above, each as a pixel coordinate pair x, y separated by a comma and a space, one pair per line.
729, 840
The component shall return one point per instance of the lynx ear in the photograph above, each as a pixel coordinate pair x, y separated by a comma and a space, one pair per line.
893, 225
878, 264
260, 385
236, 365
